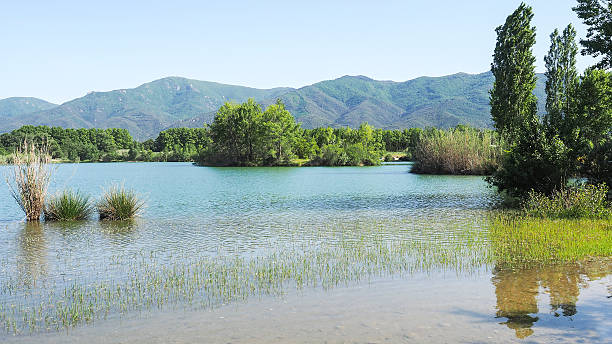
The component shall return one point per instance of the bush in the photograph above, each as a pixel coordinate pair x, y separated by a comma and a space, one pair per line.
577, 202
118, 204
30, 178
68, 206
457, 151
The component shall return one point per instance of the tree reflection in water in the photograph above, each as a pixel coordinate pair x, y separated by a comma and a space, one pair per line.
517, 291
32, 260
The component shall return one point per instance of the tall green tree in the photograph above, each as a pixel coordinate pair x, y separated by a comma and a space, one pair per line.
513, 103
533, 159
281, 134
234, 133
561, 79
597, 15
590, 138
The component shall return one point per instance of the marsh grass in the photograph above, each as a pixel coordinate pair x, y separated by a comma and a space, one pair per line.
518, 241
587, 201
29, 178
119, 204
68, 206
151, 281
463, 151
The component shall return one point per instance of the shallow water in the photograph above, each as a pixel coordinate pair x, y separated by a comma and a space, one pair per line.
298, 216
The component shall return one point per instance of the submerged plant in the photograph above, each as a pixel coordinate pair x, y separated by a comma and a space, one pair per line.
29, 179
118, 204
68, 206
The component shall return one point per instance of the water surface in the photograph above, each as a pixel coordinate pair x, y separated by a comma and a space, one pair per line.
198, 214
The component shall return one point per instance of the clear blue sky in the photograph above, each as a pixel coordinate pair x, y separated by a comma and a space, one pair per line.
59, 50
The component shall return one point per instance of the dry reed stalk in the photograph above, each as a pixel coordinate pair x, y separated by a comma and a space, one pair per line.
29, 179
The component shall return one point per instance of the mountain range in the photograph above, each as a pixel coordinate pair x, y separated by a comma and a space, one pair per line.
347, 101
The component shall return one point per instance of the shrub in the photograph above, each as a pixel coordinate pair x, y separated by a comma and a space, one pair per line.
457, 151
30, 178
117, 203
68, 206
572, 202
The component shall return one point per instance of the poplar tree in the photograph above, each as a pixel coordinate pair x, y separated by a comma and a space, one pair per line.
561, 80
532, 160
513, 104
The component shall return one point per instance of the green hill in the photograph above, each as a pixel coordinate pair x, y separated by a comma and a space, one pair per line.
347, 101
144, 110
18, 106
426, 101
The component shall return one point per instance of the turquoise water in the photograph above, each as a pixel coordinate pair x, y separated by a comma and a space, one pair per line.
196, 214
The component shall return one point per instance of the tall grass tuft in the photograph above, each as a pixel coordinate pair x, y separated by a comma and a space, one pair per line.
461, 150
587, 201
118, 204
68, 206
29, 179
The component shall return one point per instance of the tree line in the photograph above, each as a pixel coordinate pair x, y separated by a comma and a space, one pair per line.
240, 135
574, 138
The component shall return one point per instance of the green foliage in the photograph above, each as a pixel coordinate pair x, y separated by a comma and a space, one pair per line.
588, 201
68, 206
462, 150
561, 79
532, 162
346, 146
70, 144
513, 103
243, 135
119, 204
536, 158
588, 129
597, 16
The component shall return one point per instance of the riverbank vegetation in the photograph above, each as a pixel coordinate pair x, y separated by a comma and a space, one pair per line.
462, 150
523, 241
574, 139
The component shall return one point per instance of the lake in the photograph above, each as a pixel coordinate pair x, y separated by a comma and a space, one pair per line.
298, 255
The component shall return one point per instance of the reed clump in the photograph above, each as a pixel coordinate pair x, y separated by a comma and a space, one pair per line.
119, 204
68, 206
462, 150
588, 201
29, 178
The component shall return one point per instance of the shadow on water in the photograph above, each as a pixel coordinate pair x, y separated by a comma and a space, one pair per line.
517, 292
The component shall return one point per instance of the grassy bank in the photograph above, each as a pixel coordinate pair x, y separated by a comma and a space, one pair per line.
519, 241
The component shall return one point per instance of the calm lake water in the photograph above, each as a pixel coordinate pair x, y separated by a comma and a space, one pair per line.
355, 235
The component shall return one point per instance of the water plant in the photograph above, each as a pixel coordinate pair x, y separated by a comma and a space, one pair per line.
119, 204
29, 179
588, 201
68, 206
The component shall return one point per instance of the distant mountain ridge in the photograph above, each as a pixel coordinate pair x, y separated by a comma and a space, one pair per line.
17, 106
347, 101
